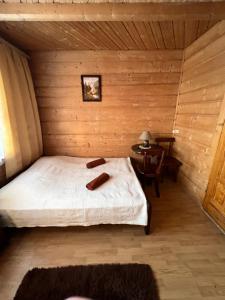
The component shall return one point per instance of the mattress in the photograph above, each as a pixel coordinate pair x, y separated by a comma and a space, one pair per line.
52, 192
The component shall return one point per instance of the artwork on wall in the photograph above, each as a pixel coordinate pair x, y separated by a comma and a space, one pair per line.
91, 87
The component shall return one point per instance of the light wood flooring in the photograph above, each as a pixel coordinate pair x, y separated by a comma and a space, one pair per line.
186, 250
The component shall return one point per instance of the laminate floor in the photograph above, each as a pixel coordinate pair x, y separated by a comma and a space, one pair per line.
185, 250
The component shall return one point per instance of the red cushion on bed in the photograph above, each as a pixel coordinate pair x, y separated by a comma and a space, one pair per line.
95, 163
92, 185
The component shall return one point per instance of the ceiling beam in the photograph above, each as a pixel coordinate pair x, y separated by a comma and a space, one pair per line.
112, 11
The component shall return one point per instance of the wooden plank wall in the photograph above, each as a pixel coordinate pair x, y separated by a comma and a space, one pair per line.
199, 103
139, 92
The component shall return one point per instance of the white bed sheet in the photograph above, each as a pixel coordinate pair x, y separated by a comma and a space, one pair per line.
52, 192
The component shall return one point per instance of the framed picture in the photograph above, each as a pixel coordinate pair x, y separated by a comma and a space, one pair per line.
91, 87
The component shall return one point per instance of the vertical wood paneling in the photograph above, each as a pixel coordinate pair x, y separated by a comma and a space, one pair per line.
168, 34
156, 30
201, 93
179, 34
101, 35
139, 91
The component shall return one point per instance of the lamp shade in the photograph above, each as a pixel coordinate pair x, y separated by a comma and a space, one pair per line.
145, 136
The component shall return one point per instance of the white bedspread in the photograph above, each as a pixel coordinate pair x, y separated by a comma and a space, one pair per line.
52, 192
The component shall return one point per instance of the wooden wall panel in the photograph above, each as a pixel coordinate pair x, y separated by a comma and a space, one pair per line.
201, 93
139, 91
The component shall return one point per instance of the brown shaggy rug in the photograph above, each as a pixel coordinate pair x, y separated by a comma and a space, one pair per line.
98, 282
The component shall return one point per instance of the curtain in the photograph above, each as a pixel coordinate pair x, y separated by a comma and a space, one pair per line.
21, 131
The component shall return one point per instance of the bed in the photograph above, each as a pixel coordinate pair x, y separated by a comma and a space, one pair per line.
52, 192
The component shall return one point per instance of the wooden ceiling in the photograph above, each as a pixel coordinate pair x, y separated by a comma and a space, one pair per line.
104, 1
100, 35
106, 26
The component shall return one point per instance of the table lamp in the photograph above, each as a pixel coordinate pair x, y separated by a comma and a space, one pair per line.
145, 137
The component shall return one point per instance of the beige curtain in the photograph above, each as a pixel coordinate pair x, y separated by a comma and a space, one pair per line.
22, 140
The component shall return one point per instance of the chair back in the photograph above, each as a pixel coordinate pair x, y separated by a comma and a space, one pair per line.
169, 140
153, 160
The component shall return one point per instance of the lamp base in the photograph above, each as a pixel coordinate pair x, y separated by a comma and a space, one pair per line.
144, 148
146, 144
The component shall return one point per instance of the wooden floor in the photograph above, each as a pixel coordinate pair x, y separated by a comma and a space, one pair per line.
185, 249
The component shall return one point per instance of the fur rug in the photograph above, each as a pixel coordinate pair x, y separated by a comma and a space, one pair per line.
98, 282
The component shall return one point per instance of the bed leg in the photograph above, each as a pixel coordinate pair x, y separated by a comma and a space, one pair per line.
149, 211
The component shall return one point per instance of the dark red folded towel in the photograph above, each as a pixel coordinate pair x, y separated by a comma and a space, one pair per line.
97, 181
95, 163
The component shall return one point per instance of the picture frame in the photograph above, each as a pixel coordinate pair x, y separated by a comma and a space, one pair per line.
91, 88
